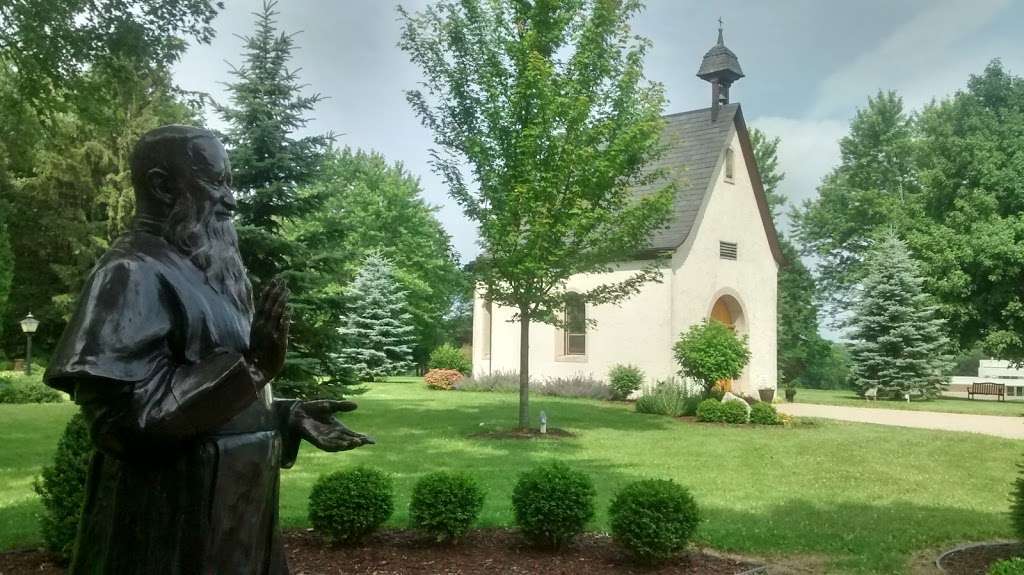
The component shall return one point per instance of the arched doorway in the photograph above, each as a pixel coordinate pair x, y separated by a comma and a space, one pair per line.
727, 310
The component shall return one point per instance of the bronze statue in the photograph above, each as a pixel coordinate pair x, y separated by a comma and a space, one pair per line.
172, 366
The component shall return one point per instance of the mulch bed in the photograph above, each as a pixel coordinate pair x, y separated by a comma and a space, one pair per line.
975, 560
29, 561
552, 433
483, 552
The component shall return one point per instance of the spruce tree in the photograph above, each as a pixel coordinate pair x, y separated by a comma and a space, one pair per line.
269, 167
378, 328
900, 345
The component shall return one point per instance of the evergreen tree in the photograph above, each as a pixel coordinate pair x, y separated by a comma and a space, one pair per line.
378, 328
269, 167
900, 344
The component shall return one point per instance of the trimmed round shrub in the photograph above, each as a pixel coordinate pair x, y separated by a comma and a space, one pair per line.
552, 504
1013, 566
445, 505
733, 412
442, 378
710, 410
624, 380
448, 356
346, 506
61, 487
653, 519
762, 413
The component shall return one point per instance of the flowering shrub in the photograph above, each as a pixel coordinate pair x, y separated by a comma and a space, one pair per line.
442, 378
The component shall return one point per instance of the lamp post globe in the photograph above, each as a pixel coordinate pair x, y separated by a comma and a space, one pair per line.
29, 325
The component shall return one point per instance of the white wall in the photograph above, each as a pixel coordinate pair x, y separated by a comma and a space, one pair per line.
994, 368
636, 331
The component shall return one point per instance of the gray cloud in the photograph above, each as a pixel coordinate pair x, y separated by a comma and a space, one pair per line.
809, 64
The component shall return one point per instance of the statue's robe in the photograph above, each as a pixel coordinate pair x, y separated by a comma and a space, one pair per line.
185, 477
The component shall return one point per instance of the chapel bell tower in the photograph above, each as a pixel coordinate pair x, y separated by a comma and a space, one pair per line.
721, 68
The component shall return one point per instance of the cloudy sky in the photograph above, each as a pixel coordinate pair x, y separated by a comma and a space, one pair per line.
808, 64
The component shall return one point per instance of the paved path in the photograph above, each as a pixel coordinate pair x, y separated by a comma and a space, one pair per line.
998, 425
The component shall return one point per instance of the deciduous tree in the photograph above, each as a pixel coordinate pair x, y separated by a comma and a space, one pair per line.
544, 123
874, 188
79, 81
710, 352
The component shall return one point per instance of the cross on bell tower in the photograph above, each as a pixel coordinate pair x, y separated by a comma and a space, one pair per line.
721, 68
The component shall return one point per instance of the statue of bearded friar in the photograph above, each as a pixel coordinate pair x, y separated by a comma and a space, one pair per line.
172, 364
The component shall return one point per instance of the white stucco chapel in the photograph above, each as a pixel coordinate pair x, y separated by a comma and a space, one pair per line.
724, 263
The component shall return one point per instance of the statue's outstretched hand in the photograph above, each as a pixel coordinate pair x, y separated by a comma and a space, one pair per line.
268, 337
315, 422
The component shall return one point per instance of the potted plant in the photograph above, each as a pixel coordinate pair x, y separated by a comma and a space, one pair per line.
767, 394
790, 391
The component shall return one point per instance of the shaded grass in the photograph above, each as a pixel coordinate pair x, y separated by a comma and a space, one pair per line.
941, 404
865, 497
28, 439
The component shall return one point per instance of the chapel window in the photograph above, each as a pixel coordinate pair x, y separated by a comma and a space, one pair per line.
575, 325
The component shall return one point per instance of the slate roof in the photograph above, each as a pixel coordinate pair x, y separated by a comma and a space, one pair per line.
694, 145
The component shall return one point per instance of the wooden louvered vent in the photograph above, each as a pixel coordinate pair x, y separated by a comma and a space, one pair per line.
727, 250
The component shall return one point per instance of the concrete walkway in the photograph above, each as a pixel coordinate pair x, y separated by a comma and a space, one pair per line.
1000, 426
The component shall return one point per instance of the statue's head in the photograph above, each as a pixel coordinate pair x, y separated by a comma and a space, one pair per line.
182, 180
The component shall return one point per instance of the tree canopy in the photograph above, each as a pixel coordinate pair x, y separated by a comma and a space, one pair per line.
368, 205
79, 82
948, 180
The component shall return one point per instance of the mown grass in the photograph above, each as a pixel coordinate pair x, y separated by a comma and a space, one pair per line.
865, 498
1011, 407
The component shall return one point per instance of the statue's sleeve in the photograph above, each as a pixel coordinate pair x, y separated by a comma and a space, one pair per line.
290, 439
116, 359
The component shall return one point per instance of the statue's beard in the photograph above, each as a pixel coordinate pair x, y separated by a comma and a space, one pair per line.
212, 245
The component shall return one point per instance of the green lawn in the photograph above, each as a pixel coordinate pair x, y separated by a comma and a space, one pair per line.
865, 498
941, 404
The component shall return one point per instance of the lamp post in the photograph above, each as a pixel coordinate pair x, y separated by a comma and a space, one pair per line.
29, 326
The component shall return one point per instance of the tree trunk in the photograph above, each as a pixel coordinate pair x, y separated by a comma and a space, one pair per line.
524, 369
